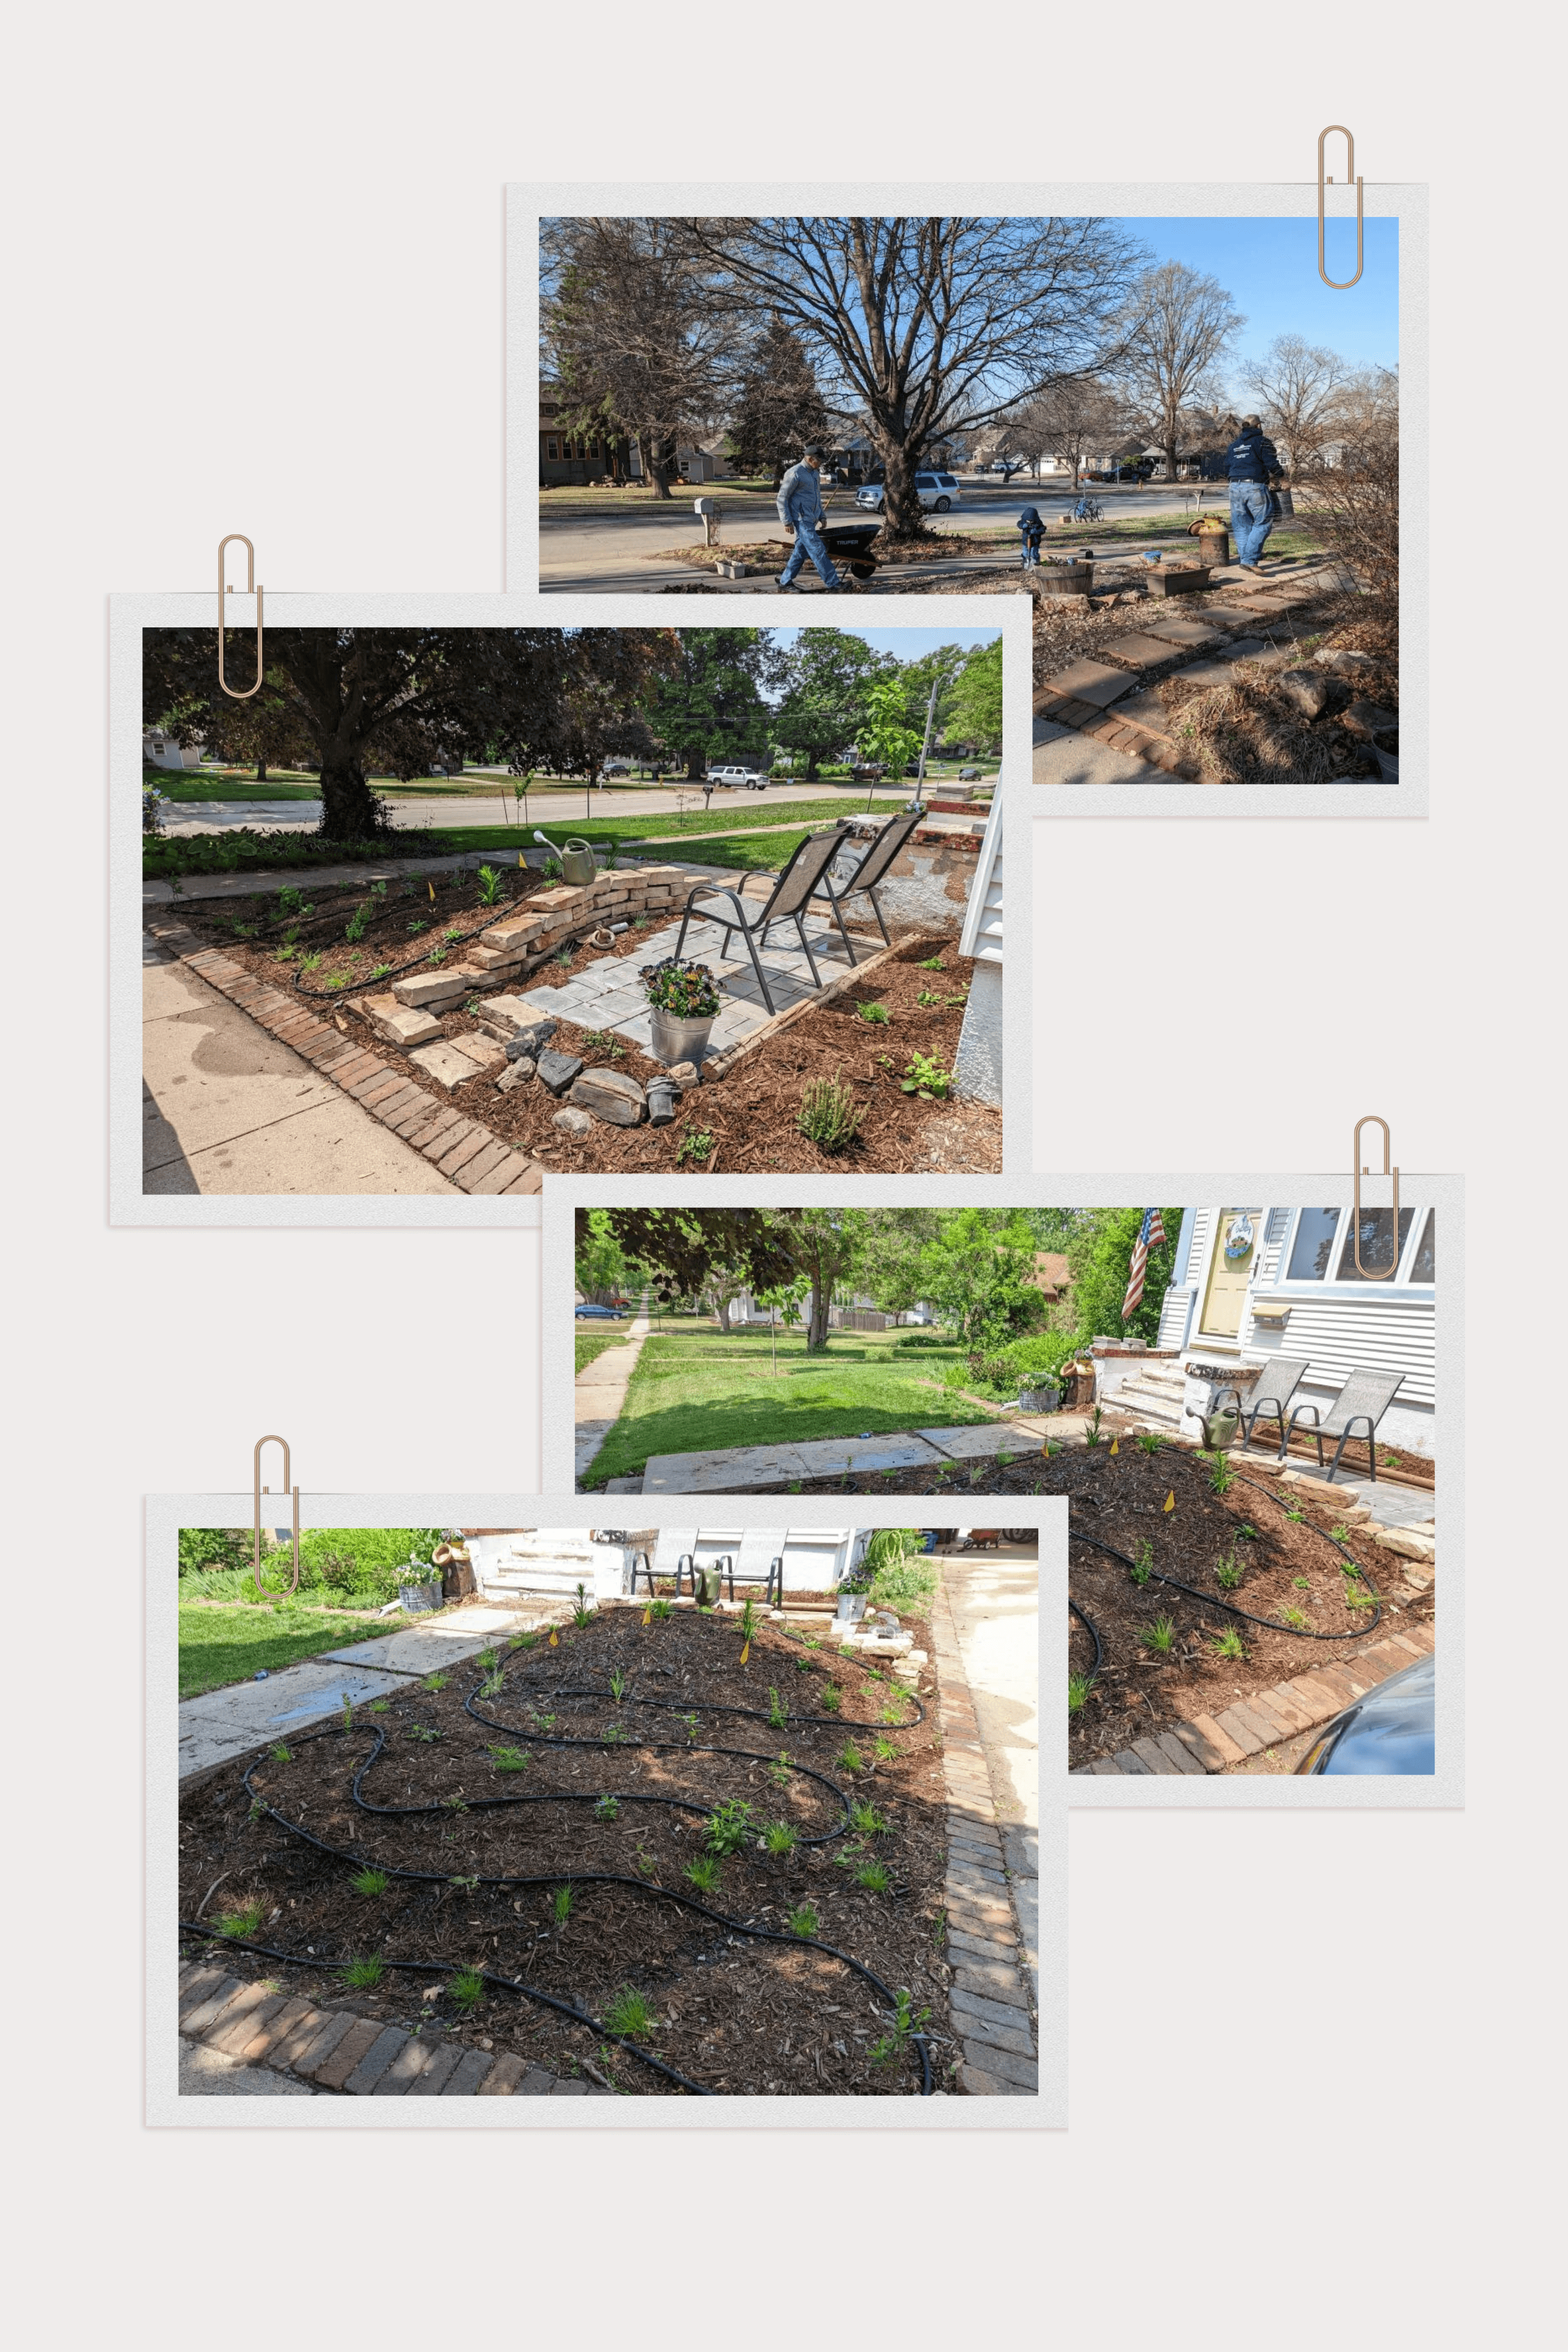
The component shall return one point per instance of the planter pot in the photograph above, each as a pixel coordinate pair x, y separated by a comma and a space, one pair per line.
415, 1597
1284, 506
1066, 579
1187, 582
1039, 1400
680, 1038
850, 1608
1212, 546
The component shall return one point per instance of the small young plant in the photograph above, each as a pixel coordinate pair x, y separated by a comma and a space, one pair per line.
928, 1079
1340, 1534
866, 1821
850, 1759
1150, 1440
747, 1621
1295, 1618
381, 1706
779, 1773
883, 1749
243, 1922
358, 923
728, 1826
1221, 1477
493, 1684
1353, 1599
1227, 1645
561, 1906
423, 1733
695, 1144
617, 1686
646, 1862
436, 1682
1143, 1567
931, 963
510, 1760
803, 1921
659, 1610
1227, 1572
832, 1697
705, 1873
489, 886
875, 1877
906, 2021
877, 1015
604, 1040
526, 1639
606, 1808
581, 1614
778, 1716
1247, 1533
630, 2012
780, 1837
1303, 1583
467, 1989
1078, 1689
370, 1882
281, 1752
693, 1726
890, 1712
1159, 1637
362, 1976
829, 1114
1295, 1515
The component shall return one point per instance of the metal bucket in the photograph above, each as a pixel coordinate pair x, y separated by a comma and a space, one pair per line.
678, 1037
416, 1597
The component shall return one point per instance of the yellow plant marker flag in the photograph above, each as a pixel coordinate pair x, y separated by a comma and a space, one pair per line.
648, 1615
745, 1651
1169, 1503
432, 887
1115, 1445
555, 1637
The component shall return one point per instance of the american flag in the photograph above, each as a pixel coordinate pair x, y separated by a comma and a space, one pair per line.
1151, 1234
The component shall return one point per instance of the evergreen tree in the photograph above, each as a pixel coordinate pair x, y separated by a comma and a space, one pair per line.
779, 408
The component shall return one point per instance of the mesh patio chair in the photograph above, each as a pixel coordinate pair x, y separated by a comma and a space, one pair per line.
787, 900
870, 870
1356, 1412
1271, 1391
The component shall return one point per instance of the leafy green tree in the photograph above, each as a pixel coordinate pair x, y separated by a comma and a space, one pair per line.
975, 707
1100, 1257
885, 734
214, 1548
708, 704
681, 1250
826, 677
604, 1268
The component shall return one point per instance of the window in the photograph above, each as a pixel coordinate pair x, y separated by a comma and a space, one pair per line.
1376, 1238
552, 449
1313, 1243
1424, 1266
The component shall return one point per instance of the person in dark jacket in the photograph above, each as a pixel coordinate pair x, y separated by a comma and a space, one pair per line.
1031, 531
1252, 466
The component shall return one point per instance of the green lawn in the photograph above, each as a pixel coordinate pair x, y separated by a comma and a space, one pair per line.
695, 1390
592, 1343
226, 1646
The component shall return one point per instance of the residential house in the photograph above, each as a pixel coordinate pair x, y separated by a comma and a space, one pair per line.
161, 751
549, 1563
1249, 1284
578, 458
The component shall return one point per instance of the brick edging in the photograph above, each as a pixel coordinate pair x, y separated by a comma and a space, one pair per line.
337, 2051
461, 1150
1263, 1719
991, 1998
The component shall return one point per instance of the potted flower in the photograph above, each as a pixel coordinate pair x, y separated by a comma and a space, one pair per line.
419, 1585
1036, 1364
684, 1000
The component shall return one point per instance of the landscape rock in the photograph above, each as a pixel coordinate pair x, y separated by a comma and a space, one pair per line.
1305, 687
609, 1096
1371, 719
573, 1122
445, 1064
518, 1074
684, 1075
435, 987
515, 1017
1408, 1545
1346, 659
662, 1097
556, 1071
530, 1043
400, 1025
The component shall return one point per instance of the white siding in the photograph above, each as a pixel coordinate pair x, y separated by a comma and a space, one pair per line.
981, 936
1383, 1332
1173, 1317
815, 1559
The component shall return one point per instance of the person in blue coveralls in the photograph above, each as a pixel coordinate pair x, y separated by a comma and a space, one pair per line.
800, 510
1253, 467
1031, 530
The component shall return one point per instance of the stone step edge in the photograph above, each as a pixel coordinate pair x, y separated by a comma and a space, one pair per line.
461, 1150
505, 2060
1296, 1694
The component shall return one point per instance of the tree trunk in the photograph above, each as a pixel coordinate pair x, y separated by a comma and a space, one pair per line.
900, 515
261, 771
697, 765
817, 1320
349, 810
721, 1308
658, 463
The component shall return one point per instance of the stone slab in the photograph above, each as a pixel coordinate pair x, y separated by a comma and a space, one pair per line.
611, 1096
1075, 759
223, 1723
420, 1650
1139, 652
822, 1456
1178, 630
485, 1052
727, 1467
970, 1444
1091, 681
400, 1025
432, 987
447, 1066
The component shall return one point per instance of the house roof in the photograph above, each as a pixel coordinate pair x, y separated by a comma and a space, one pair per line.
1050, 1272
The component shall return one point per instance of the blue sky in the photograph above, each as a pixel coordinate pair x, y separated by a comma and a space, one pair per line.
1269, 269
909, 644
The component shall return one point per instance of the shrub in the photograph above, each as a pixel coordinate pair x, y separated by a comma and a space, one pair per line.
366, 1560
828, 1116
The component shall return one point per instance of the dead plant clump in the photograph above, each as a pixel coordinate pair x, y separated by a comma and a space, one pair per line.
1251, 733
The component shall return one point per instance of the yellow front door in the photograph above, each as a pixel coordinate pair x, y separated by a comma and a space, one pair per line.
1229, 1271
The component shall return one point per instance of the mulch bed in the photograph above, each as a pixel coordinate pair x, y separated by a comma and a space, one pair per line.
1119, 1499
734, 2015
748, 1118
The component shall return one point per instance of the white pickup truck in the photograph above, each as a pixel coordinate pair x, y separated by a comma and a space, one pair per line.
745, 779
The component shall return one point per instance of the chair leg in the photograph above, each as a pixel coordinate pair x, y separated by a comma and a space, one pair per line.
757, 968
838, 918
811, 959
876, 910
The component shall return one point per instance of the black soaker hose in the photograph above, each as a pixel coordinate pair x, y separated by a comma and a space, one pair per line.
557, 1879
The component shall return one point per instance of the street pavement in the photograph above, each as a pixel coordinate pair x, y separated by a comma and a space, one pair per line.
557, 809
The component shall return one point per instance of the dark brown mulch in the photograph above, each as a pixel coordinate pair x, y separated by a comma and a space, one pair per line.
748, 1118
735, 2015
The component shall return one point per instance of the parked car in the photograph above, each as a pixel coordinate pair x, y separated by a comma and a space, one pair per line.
969, 775
611, 1313
936, 493
1392, 1729
747, 779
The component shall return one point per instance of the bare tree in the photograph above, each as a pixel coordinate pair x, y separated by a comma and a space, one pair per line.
1178, 325
927, 325
629, 336
1300, 387
1070, 421
1355, 503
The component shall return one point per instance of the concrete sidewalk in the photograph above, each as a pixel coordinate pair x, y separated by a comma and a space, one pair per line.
228, 1109
994, 1598
601, 1391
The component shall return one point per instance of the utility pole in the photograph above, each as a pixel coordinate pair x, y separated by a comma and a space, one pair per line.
930, 715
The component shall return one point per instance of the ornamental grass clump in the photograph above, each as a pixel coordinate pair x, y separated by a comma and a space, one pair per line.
828, 1116
686, 990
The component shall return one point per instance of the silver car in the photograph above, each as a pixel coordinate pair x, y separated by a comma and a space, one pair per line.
936, 493
1391, 1730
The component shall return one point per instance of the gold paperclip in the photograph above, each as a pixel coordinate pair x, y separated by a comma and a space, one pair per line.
249, 589
1350, 173
1358, 1171
258, 1491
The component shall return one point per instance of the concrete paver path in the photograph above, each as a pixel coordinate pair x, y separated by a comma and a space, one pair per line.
995, 1601
601, 1391
228, 1110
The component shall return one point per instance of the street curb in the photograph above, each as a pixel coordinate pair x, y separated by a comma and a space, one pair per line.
992, 1998
461, 1150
